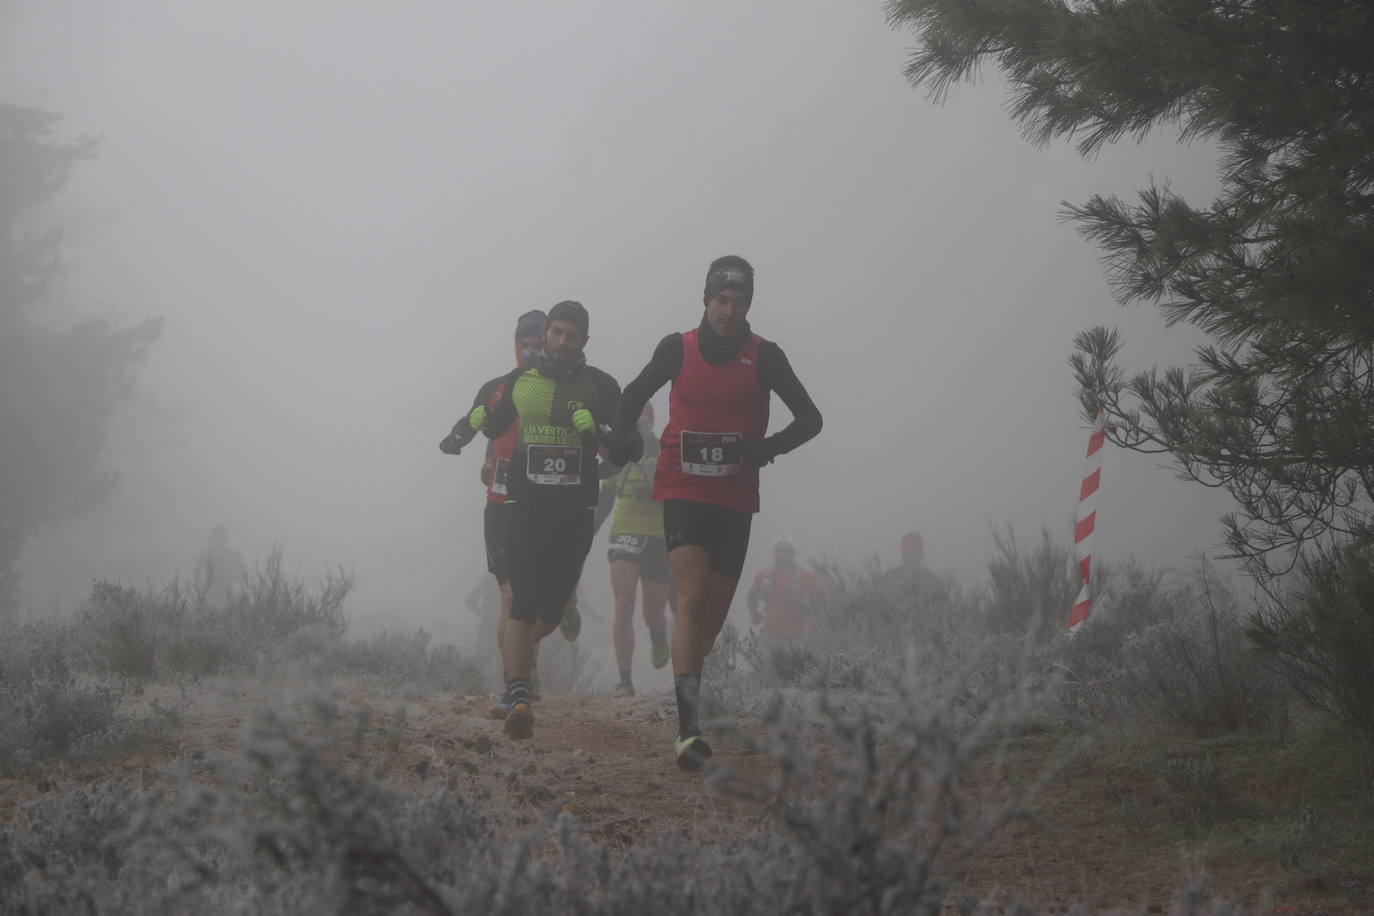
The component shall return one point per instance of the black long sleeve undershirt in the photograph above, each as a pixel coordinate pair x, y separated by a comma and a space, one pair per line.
463, 433
775, 374
502, 414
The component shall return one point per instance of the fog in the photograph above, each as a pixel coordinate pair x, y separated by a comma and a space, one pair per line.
341, 208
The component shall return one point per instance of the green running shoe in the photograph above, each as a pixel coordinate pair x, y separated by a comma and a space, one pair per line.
623, 690
571, 624
659, 653
499, 709
692, 752
520, 720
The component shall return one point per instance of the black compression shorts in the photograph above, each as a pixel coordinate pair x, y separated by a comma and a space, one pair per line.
724, 533
649, 552
548, 545
496, 533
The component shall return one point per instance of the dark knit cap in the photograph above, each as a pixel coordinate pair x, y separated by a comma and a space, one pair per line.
531, 324
571, 312
729, 272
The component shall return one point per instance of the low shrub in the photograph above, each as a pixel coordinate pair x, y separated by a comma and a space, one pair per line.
1031, 589
50, 710
1195, 666
882, 806
401, 661
147, 634
1319, 636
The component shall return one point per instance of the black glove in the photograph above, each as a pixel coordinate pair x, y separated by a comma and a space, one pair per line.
449, 445
757, 452
624, 448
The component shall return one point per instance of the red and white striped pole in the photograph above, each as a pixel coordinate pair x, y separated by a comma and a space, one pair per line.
1086, 520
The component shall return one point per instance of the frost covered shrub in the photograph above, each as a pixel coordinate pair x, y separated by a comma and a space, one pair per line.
875, 793
167, 633
299, 824
121, 631
146, 634
1168, 648
1129, 599
863, 633
64, 854
273, 605
1156, 647
44, 711
1196, 667
859, 624
49, 709
1031, 588
405, 661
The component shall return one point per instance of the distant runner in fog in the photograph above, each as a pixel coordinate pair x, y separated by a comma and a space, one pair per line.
638, 558
219, 570
707, 477
561, 405
787, 593
910, 582
495, 475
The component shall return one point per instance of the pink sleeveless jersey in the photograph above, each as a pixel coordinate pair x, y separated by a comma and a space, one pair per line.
710, 409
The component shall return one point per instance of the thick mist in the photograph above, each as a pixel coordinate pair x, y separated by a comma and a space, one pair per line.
340, 210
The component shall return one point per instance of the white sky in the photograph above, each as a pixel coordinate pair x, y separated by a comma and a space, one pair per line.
341, 207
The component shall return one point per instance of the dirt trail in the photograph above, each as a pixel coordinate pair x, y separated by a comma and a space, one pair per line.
607, 760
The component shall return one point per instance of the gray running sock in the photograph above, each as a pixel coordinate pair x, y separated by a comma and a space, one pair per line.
517, 690
688, 690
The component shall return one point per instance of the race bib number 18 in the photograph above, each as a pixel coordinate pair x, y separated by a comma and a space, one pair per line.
711, 454
554, 465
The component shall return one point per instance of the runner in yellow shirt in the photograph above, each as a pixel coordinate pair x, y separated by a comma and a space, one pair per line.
639, 558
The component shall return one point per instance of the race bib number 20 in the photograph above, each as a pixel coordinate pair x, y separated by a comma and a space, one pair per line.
554, 465
711, 454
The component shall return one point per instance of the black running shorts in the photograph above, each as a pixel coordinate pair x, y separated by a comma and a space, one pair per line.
649, 552
723, 532
548, 545
496, 532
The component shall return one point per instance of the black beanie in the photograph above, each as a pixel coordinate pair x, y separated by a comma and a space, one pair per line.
729, 272
571, 312
530, 324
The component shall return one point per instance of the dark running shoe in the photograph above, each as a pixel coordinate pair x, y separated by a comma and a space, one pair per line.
659, 652
520, 720
692, 752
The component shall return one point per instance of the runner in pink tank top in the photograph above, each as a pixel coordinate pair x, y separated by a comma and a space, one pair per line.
708, 469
